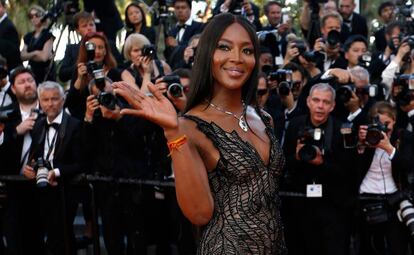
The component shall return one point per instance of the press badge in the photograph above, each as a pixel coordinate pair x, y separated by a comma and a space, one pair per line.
314, 190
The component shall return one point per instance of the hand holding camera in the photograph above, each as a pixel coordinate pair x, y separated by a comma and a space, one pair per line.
402, 51
26, 125
91, 105
29, 172
303, 149
375, 135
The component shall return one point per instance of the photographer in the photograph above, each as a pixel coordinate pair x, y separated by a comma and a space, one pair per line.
23, 234
279, 26
402, 63
38, 46
186, 27
115, 147
7, 98
245, 8
84, 24
357, 24
90, 61
56, 145
289, 87
183, 57
384, 176
317, 218
387, 15
145, 64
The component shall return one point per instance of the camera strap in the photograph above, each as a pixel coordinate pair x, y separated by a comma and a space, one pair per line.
51, 144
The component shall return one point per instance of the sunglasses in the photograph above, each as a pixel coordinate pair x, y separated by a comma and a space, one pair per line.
261, 92
32, 15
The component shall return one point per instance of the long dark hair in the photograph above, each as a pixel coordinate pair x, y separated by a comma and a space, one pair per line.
128, 23
202, 82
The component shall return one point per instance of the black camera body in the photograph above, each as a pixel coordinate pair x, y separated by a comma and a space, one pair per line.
284, 80
104, 98
312, 138
365, 60
174, 86
42, 168
333, 38
90, 57
406, 82
344, 93
374, 132
310, 56
5, 113
3, 72
149, 50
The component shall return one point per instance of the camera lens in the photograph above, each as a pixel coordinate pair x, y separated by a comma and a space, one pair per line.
374, 136
308, 152
107, 99
175, 90
284, 88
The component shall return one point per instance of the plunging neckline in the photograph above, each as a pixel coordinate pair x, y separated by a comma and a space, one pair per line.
234, 133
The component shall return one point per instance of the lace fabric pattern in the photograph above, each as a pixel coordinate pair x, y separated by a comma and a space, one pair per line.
246, 218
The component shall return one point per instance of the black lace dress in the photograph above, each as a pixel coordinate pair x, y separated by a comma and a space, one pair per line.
246, 218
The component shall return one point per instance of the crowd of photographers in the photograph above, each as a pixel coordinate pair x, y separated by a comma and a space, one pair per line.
343, 114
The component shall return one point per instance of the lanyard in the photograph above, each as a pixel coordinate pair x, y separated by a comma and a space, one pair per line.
50, 144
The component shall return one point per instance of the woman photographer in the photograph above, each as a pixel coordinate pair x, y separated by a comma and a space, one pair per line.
38, 46
101, 59
145, 65
383, 180
226, 159
135, 22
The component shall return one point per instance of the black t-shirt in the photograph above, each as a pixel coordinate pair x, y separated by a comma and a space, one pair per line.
37, 43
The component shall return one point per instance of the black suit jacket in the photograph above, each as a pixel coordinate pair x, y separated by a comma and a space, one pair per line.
11, 149
282, 42
8, 32
108, 14
195, 28
67, 156
334, 175
359, 25
380, 41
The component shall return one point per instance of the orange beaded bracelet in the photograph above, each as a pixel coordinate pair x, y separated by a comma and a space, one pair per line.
174, 145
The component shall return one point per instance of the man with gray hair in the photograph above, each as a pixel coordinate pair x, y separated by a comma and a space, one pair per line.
56, 141
317, 174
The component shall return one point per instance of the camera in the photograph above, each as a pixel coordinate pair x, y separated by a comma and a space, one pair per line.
365, 60
90, 57
174, 87
312, 140
42, 168
310, 56
371, 90
374, 132
268, 38
104, 98
149, 50
406, 215
333, 38
236, 6
284, 80
344, 93
406, 84
5, 114
3, 72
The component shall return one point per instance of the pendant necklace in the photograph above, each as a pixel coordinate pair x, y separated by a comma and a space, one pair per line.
242, 121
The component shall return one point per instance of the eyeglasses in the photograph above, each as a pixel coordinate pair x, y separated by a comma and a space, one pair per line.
261, 92
32, 15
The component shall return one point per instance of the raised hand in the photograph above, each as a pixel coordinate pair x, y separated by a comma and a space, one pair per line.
155, 107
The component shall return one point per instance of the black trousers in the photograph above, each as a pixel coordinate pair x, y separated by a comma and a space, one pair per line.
313, 226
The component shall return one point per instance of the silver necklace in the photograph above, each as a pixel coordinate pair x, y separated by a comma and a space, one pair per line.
242, 121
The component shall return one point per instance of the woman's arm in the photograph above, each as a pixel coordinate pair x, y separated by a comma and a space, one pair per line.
46, 53
191, 181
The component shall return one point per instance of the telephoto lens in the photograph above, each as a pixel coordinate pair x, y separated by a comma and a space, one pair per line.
42, 172
406, 215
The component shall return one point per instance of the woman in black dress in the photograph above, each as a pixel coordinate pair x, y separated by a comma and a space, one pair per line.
135, 22
226, 159
38, 46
